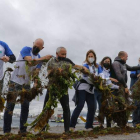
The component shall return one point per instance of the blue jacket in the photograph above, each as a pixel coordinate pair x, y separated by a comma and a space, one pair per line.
99, 67
133, 76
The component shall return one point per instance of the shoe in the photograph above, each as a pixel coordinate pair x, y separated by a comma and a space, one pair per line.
72, 129
23, 133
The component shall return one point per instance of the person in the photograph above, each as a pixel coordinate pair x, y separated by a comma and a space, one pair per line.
120, 69
57, 61
134, 75
86, 92
6, 55
20, 79
106, 67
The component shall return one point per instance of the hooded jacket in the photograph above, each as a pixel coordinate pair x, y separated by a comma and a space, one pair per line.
120, 70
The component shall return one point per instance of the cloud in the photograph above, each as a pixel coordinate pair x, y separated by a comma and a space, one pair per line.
106, 26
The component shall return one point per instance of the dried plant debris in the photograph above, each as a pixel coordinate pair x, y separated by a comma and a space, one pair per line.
95, 133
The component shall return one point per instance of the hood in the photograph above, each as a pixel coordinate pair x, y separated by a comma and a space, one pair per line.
119, 60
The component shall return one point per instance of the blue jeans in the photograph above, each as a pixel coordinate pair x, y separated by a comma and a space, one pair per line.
10, 107
83, 97
98, 97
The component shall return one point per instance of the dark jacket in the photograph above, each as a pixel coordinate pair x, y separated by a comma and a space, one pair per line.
120, 70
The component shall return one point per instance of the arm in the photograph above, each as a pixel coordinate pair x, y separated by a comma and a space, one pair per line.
116, 68
83, 69
10, 57
25, 52
133, 68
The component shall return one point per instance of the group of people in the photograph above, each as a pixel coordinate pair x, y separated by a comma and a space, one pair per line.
114, 73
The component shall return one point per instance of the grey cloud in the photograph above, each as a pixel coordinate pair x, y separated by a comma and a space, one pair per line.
106, 26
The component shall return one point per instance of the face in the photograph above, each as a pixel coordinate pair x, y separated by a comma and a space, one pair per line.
106, 61
62, 53
91, 55
125, 57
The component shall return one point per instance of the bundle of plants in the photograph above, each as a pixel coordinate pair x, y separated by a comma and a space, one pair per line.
113, 105
25, 93
135, 89
60, 79
2, 100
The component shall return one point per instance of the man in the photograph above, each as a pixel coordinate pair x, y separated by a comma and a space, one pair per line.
56, 62
120, 69
134, 75
20, 79
6, 55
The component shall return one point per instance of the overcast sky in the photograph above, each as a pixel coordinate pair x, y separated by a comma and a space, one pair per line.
106, 26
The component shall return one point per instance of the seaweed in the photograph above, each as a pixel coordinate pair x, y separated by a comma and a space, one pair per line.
95, 133
60, 79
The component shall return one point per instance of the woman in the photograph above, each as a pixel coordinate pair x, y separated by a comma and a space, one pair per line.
86, 92
105, 74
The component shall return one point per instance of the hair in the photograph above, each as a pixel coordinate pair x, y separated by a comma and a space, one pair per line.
91, 51
107, 57
59, 48
121, 53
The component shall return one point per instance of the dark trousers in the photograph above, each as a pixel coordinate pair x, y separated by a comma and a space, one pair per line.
9, 110
136, 114
83, 97
64, 101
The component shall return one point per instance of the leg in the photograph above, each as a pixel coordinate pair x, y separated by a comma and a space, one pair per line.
46, 98
98, 96
8, 117
9, 112
45, 101
24, 112
91, 104
24, 115
136, 114
81, 101
108, 121
66, 111
1, 86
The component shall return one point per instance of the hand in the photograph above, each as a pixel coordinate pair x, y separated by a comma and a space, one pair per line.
47, 57
127, 91
138, 75
5, 58
35, 83
114, 80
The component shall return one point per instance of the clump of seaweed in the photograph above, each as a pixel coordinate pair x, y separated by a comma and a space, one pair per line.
115, 106
2, 101
135, 89
60, 79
